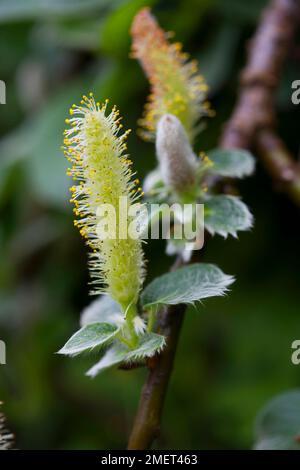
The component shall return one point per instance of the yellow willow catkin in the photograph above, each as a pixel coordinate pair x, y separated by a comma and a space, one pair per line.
176, 86
96, 148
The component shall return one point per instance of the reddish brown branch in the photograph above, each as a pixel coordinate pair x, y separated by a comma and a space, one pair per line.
146, 425
253, 121
284, 170
147, 421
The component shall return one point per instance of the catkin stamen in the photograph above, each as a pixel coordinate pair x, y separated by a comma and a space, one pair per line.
95, 148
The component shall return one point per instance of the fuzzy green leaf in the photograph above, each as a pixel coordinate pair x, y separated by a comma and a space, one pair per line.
278, 424
232, 163
186, 285
113, 356
153, 181
149, 344
226, 215
117, 26
13, 10
104, 310
89, 337
149, 219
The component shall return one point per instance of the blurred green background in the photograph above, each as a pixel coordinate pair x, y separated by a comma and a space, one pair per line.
234, 353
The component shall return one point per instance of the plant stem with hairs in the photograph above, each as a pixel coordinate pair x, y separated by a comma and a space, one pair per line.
177, 167
252, 125
147, 421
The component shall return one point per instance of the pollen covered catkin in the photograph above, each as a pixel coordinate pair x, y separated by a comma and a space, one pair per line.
176, 86
96, 149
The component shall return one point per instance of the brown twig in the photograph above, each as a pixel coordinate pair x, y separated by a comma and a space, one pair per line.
146, 425
147, 421
253, 121
284, 170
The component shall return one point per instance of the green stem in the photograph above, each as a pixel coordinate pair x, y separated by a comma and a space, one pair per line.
131, 312
151, 319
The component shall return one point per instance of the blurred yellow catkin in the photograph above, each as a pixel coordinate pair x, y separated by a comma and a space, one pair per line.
176, 86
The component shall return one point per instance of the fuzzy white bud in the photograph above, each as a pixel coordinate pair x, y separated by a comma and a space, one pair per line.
176, 158
139, 325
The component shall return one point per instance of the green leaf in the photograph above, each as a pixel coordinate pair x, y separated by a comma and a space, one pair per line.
16, 10
217, 58
278, 424
149, 344
149, 219
113, 356
153, 181
104, 310
186, 285
178, 247
37, 143
244, 12
74, 34
185, 21
118, 25
89, 337
231, 163
226, 215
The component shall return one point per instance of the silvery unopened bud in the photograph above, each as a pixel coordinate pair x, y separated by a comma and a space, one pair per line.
177, 160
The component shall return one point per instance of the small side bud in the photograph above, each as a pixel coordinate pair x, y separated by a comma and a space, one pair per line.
177, 160
139, 325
